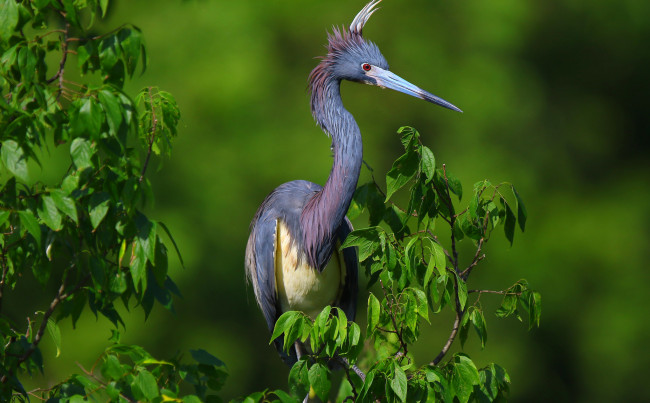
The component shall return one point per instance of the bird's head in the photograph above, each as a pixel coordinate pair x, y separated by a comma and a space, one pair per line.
351, 57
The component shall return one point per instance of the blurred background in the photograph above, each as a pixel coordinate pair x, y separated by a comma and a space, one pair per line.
555, 100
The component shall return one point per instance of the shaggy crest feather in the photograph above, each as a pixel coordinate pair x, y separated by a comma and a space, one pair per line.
339, 42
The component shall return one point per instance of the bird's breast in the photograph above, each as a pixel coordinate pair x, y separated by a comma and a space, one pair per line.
299, 286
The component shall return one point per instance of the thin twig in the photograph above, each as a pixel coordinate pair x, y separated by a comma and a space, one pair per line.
477, 258
60, 296
64, 58
5, 270
392, 317
503, 292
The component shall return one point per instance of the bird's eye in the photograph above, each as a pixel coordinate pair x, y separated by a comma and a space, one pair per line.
366, 67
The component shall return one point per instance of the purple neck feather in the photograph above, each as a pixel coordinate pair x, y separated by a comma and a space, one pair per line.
323, 214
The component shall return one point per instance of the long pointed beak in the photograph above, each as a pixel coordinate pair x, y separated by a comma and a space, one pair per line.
386, 79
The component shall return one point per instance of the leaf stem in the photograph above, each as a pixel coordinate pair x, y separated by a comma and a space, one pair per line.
399, 333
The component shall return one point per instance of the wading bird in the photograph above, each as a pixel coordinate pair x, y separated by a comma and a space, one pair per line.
293, 256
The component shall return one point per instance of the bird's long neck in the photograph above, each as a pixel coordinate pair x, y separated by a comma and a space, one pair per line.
324, 213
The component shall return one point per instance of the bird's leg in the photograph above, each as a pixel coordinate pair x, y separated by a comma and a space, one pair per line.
300, 349
354, 367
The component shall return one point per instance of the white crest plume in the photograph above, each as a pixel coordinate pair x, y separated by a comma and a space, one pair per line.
360, 20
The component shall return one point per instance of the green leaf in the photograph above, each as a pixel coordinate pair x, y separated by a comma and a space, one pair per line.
30, 223
319, 379
98, 207
55, 334
534, 309
428, 163
403, 170
146, 235
65, 204
399, 383
146, 382
323, 316
462, 291
464, 377
454, 185
130, 42
464, 329
112, 108
374, 311
8, 18
103, 4
49, 213
408, 135
178, 252
440, 258
81, 151
111, 368
117, 283
522, 215
299, 379
203, 357
473, 206
509, 225
138, 265
480, 326
4, 216
367, 239
88, 120
13, 157
342, 324
283, 323
508, 306
70, 183
422, 303
284, 396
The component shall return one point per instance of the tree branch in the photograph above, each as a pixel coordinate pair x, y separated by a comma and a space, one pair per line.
477, 258
60, 296
450, 340
64, 58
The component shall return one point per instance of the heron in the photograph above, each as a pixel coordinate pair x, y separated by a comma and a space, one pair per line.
294, 258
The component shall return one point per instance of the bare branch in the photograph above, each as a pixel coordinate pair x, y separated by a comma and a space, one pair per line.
450, 340
477, 258
64, 58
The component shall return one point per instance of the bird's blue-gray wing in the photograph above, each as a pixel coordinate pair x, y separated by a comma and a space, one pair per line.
348, 300
260, 265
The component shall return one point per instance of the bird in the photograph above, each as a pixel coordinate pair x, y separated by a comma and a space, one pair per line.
293, 257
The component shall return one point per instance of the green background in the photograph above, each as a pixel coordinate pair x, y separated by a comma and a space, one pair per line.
555, 101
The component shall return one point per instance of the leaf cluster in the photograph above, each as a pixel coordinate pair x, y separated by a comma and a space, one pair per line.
86, 234
129, 373
414, 274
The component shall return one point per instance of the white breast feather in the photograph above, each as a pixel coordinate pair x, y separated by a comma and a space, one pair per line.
301, 287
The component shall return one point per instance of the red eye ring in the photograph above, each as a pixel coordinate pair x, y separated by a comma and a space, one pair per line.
366, 67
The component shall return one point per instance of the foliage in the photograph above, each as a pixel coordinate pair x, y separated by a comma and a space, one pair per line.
419, 276
84, 235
